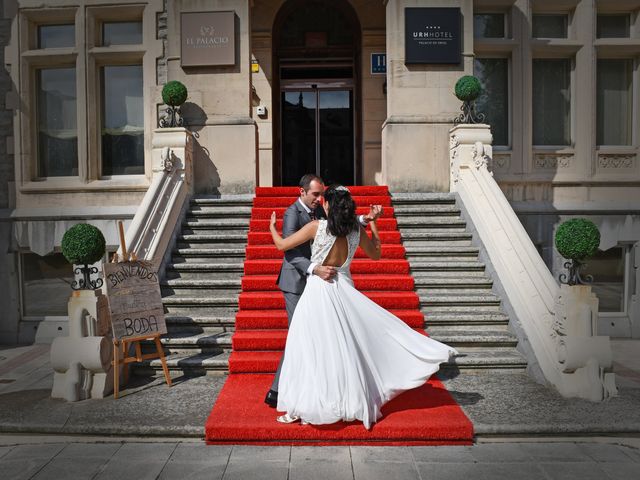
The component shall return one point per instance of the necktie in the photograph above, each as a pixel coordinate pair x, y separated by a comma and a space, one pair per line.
312, 215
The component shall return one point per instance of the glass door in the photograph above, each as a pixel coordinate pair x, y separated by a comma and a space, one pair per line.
318, 132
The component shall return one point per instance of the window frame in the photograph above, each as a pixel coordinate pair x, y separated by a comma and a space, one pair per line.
634, 106
84, 57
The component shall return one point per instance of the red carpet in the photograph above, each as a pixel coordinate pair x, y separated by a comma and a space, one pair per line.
425, 416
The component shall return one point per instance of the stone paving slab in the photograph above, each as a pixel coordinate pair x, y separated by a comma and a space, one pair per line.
189, 460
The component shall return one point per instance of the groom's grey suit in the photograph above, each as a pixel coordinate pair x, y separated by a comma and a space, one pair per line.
293, 272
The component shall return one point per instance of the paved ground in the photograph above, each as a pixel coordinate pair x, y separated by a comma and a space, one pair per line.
511, 416
498, 404
35, 458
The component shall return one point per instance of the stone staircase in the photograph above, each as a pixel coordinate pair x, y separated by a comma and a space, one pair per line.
455, 293
201, 287
203, 281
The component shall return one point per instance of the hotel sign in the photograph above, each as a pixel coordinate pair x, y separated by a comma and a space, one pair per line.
208, 39
432, 35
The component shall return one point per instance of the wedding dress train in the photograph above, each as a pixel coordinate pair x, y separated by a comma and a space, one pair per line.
345, 355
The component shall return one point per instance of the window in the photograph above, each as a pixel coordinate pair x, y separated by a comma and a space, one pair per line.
57, 122
121, 33
84, 92
46, 284
56, 36
551, 102
614, 104
494, 101
550, 26
613, 26
608, 269
122, 120
489, 25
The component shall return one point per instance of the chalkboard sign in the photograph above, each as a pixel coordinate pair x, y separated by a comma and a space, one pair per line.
432, 35
135, 304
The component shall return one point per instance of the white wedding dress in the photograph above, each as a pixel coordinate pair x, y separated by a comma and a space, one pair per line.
345, 355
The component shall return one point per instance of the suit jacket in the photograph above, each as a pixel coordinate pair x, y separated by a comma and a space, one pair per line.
293, 272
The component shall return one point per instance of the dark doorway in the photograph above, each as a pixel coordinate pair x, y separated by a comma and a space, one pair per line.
316, 92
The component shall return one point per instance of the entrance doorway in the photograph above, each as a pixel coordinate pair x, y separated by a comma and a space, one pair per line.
318, 131
316, 99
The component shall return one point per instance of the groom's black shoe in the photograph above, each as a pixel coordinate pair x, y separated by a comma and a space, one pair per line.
272, 398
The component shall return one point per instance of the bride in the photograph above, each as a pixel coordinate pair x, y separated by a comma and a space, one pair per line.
345, 355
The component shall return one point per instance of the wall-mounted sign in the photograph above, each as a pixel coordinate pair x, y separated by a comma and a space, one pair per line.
432, 35
378, 63
208, 39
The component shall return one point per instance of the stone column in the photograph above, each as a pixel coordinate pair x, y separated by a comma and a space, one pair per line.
421, 105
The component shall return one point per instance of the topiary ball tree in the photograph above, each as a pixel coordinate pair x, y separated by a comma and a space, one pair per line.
174, 93
468, 88
83, 244
576, 240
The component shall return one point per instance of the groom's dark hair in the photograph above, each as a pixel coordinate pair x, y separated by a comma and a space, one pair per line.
305, 181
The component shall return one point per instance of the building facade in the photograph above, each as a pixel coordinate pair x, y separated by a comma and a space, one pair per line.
278, 88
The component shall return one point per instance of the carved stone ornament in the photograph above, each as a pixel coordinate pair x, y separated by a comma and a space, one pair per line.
616, 160
480, 158
501, 160
167, 159
552, 160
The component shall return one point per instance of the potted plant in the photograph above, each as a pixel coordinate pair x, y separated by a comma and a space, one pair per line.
84, 244
174, 94
576, 240
467, 89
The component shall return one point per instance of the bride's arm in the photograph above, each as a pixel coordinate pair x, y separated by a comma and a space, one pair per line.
306, 233
371, 247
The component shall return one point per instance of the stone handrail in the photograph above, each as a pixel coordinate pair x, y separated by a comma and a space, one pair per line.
154, 223
558, 324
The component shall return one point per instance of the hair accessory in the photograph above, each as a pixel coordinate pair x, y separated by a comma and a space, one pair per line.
342, 188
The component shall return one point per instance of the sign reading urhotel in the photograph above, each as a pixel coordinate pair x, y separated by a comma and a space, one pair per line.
432, 35
208, 39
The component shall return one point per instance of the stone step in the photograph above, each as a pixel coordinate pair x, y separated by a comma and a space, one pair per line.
191, 364
441, 250
452, 282
200, 301
217, 362
464, 319
228, 252
473, 335
427, 274
439, 266
460, 308
226, 237
423, 198
207, 267
205, 211
426, 210
436, 243
209, 284
241, 224
200, 323
232, 200
453, 299
431, 235
426, 222
417, 257
211, 226
205, 341
187, 291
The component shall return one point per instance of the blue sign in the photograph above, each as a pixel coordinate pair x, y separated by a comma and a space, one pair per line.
379, 63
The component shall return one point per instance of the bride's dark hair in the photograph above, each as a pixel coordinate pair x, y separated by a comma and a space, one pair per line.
342, 211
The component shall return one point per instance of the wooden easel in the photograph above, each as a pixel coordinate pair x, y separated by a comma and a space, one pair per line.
121, 347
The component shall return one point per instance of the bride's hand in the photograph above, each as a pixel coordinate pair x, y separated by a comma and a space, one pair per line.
272, 222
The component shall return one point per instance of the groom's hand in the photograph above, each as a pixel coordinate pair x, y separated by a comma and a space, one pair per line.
325, 272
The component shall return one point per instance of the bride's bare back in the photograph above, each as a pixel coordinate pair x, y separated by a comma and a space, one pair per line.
338, 253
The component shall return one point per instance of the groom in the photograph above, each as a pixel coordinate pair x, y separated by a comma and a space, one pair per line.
297, 265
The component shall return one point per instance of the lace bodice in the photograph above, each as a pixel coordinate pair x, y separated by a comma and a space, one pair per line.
324, 240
